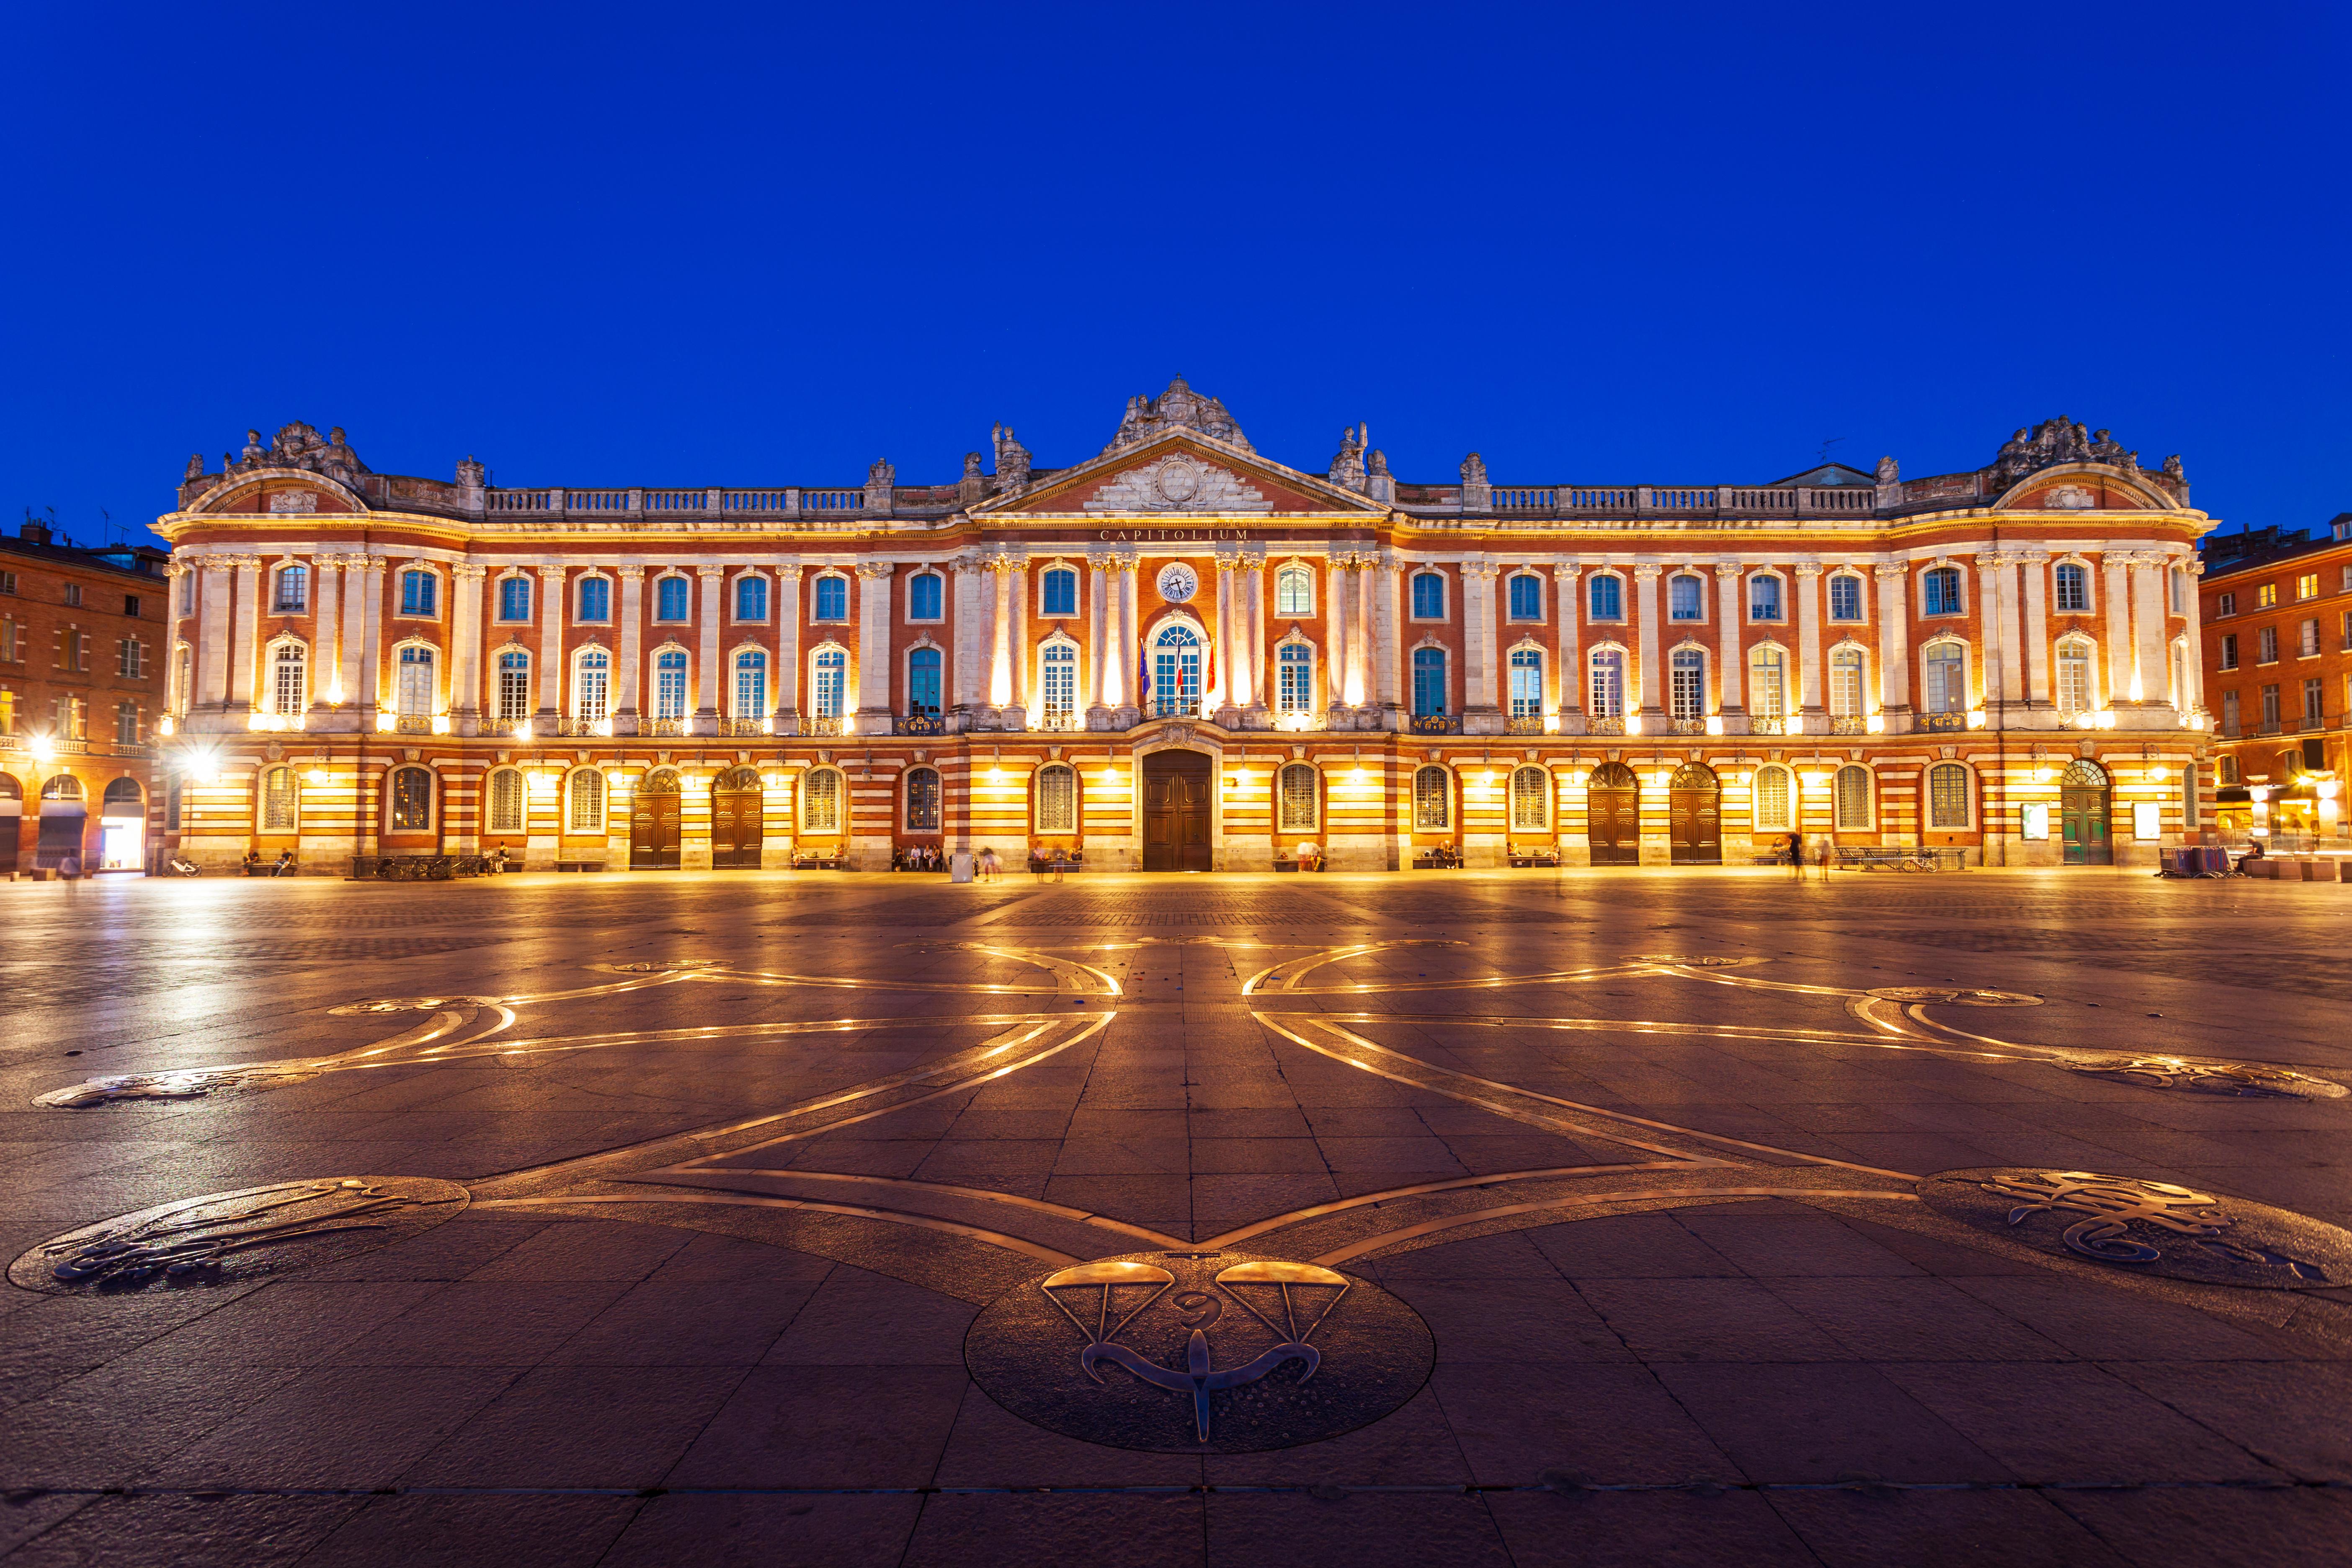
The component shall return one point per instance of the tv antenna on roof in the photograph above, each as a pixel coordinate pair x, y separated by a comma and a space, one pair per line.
1827, 442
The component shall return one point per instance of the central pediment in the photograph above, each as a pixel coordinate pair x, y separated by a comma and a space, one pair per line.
1181, 473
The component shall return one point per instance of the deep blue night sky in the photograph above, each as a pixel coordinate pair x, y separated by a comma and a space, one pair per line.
656, 245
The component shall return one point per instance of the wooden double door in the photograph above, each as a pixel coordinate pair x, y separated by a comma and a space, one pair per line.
738, 820
653, 822
2083, 803
1176, 798
1613, 814
1695, 818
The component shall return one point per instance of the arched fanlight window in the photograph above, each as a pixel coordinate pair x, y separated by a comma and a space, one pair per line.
411, 800
1772, 797
1433, 800
1293, 594
592, 686
670, 684
506, 794
1176, 670
1058, 799
289, 688
750, 683
922, 799
821, 801
279, 799
1530, 799
1299, 790
586, 800
1852, 787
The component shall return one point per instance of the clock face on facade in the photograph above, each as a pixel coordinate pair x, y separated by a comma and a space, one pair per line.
1177, 583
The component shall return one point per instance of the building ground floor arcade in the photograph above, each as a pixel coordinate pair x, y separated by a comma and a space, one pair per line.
1183, 797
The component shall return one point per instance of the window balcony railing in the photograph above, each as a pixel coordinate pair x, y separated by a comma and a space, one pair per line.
581, 724
1599, 725
412, 724
1681, 726
1849, 724
1940, 723
1524, 724
824, 724
918, 724
1175, 708
505, 726
1059, 719
1772, 723
1438, 723
1301, 720
662, 726
739, 727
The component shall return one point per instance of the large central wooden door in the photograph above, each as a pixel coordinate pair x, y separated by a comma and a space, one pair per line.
1613, 816
738, 820
1695, 818
652, 823
2083, 816
1176, 787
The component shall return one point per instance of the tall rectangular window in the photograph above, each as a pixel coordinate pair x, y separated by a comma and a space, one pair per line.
2229, 650
1608, 684
1685, 598
1428, 681
2314, 700
1526, 597
2308, 637
1845, 683
1605, 597
1764, 598
415, 693
1058, 663
514, 686
595, 598
514, 598
1294, 677
420, 594
1768, 683
1428, 596
832, 599
2266, 645
593, 700
1060, 593
670, 599
1846, 597
1686, 684
1526, 683
670, 685
1941, 591
752, 597
292, 592
2073, 590
923, 596
2270, 706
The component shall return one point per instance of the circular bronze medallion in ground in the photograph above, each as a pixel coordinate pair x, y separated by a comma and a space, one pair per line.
1219, 1352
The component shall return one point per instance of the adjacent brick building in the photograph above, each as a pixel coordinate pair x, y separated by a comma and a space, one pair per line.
2278, 662
83, 690
1178, 653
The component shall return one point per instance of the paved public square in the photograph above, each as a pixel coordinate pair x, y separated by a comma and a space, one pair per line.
1468, 1217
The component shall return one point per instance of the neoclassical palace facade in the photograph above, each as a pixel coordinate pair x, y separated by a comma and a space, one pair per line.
1182, 655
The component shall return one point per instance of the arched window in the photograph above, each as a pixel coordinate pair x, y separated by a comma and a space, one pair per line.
2073, 589
1772, 797
1527, 596
595, 599
1686, 684
922, 799
592, 686
1852, 798
750, 683
1764, 597
1057, 675
64, 786
1944, 671
923, 680
670, 684
1526, 682
1433, 800
1845, 683
1058, 799
1300, 791
1531, 800
1429, 682
279, 799
514, 598
832, 597
1939, 591
1176, 670
586, 801
1686, 597
1428, 595
514, 686
1604, 597
420, 592
752, 598
829, 682
673, 598
1293, 594
123, 798
821, 801
1768, 683
414, 694
1294, 687
2075, 655
1846, 597
292, 595
1947, 796
289, 686
925, 597
1057, 593
411, 800
505, 791
1608, 683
